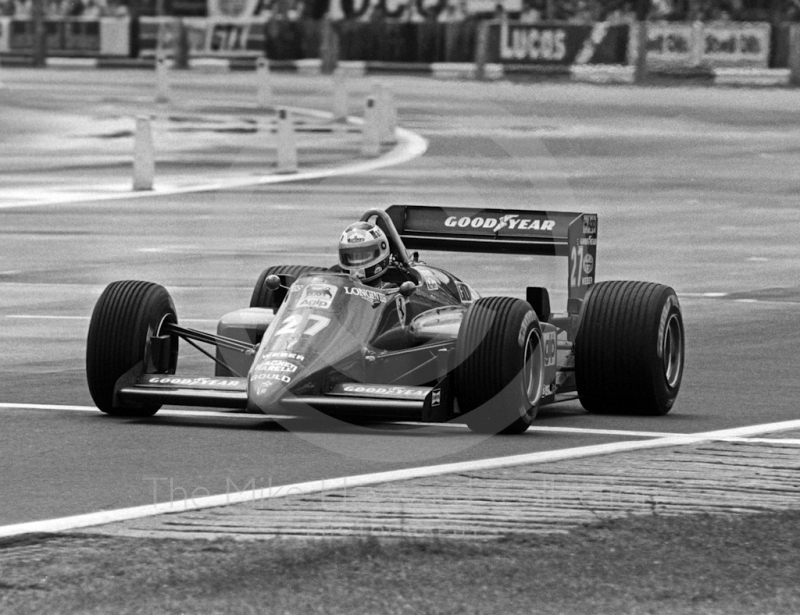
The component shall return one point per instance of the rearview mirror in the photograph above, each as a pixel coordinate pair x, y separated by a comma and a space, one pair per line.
272, 282
408, 288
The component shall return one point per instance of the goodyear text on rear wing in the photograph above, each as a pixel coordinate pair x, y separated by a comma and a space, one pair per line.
505, 231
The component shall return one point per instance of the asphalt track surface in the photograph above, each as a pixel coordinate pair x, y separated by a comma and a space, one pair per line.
694, 187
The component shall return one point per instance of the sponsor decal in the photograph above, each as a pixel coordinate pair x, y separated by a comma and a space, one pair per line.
511, 221
589, 224
283, 355
318, 296
535, 43
264, 387
430, 279
276, 365
384, 390
550, 348
662, 324
587, 241
588, 264
207, 382
436, 397
463, 293
523, 329
373, 296
585, 281
270, 376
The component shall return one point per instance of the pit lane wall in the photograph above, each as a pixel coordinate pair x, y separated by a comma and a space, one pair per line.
670, 45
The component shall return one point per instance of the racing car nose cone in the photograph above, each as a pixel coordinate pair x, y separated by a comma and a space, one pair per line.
270, 379
264, 395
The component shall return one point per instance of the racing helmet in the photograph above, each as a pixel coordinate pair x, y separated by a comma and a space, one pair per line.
364, 251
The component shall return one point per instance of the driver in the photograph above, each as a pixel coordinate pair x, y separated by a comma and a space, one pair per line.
364, 253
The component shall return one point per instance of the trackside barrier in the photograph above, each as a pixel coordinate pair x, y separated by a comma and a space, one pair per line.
143, 155
603, 73
793, 59
264, 93
309, 67
371, 140
340, 106
387, 114
287, 144
162, 78
350, 68
69, 36
752, 76
5, 34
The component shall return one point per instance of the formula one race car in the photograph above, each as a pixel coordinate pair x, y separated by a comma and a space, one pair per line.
426, 347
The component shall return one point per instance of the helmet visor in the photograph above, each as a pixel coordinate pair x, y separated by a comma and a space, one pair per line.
358, 257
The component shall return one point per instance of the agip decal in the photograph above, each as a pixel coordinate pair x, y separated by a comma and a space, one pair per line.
319, 296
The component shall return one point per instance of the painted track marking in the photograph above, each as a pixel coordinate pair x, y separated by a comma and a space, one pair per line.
85, 318
410, 145
534, 429
138, 512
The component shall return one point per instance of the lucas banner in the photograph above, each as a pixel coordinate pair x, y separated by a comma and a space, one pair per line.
560, 44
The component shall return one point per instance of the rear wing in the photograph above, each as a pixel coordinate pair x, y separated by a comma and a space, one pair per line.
504, 231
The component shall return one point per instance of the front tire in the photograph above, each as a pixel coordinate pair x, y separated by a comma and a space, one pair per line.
500, 365
629, 349
125, 315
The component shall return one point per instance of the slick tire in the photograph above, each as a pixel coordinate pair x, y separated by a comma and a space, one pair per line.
123, 316
629, 349
499, 370
263, 297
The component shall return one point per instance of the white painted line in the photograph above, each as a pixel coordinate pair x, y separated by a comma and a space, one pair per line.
410, 145
59, 317
241, 415
150, 510
48, 407
607, 432
533, 429
171, 413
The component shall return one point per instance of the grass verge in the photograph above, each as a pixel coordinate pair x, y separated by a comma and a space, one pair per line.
652, 564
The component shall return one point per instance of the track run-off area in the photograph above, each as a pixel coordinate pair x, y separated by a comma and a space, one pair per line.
695, 187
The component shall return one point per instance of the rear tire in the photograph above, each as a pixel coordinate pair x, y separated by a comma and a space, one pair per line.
264, 297
629, 349
500, 365
123, 317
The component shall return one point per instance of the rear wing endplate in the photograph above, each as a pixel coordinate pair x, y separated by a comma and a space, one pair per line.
504, 231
